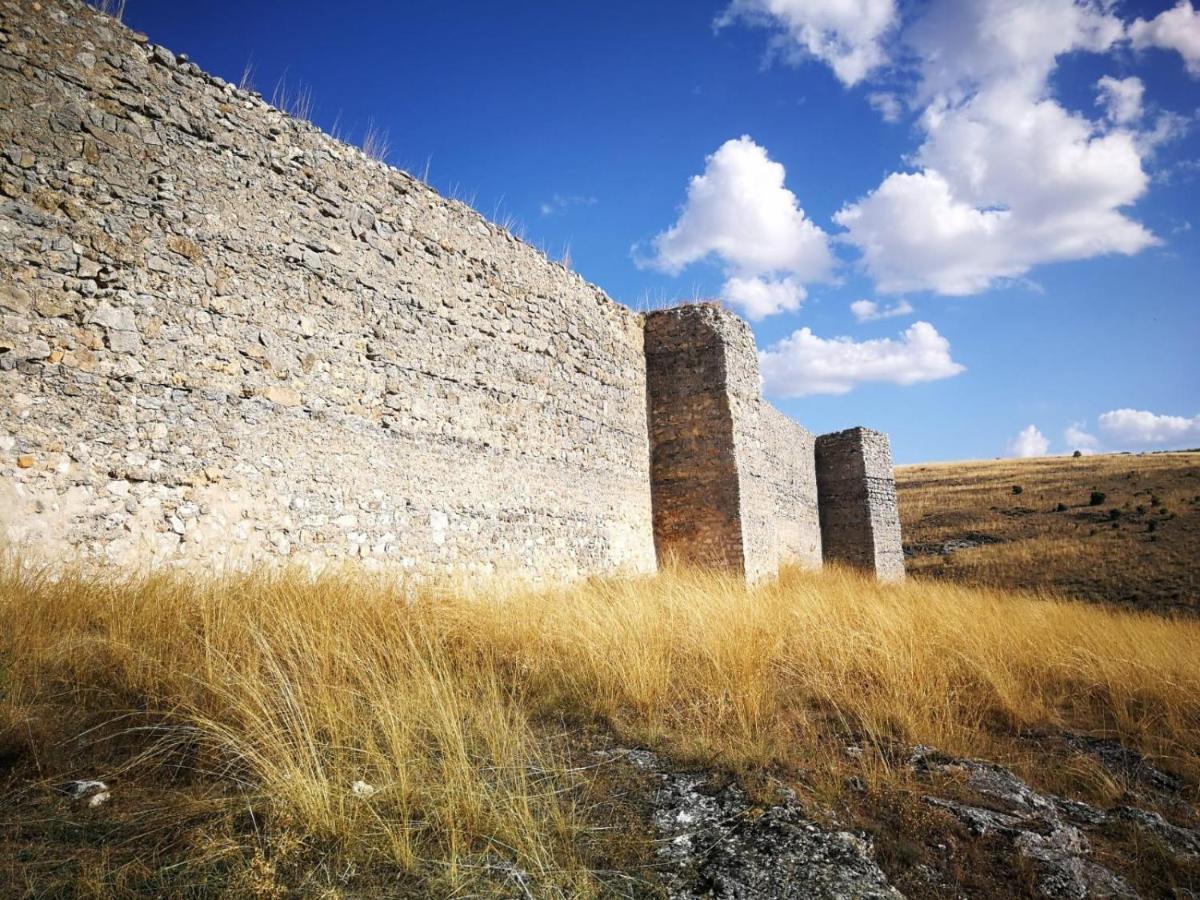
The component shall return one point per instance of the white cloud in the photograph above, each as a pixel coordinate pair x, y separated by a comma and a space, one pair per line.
805, 364
849, 35
758, 298
887, 105
1029, 442
1006, 178
1176, 29
740, 212
1077, 437
1121, 98
560, 203
1167, 127
1139, 427
965, 45
870, 311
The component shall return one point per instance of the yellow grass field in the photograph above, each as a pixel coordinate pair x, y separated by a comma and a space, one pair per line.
232, 717
1137, 543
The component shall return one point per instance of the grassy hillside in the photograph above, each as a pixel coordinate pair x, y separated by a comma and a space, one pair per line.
233, 718
1118, 528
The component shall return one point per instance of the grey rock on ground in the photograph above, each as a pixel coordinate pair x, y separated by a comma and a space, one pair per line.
717, 843
94, 792
1048, 831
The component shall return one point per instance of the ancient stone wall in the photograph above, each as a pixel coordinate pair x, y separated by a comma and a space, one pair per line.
776, 468
734, 482
226, 336
860, 519
788, 467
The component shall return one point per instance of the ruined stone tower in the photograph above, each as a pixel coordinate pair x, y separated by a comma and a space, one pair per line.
226, 337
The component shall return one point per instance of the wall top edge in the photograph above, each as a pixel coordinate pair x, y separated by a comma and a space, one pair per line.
182, 66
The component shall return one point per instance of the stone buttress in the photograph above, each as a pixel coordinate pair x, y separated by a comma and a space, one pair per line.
860, 519
732, 480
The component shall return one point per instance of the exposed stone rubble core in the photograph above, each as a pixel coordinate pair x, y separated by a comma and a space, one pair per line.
860, 518
226, 337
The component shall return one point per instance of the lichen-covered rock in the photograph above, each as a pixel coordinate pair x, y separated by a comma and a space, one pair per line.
1048, 831
717, 843
96, 793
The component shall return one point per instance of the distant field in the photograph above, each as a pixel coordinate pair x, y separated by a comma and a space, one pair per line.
1118, 528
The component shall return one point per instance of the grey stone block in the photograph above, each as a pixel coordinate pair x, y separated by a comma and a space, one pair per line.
860, 519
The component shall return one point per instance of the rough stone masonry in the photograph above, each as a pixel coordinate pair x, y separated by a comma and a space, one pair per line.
226, 337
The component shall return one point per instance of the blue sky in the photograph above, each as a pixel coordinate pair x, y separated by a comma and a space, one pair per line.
1016, 181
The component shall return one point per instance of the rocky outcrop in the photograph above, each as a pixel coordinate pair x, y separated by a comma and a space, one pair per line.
1048, 832
717, 843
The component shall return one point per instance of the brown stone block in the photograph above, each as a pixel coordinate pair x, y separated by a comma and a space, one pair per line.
860, 519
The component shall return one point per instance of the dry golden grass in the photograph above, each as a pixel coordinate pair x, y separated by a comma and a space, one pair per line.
254, 703
1139, 546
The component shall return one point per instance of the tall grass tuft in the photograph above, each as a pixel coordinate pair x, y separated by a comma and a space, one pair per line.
450, 702
376, 143
295, 100
113, 8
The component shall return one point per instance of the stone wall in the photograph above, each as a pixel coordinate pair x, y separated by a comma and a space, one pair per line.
226, 336
788, 467
776, 468
860, 519
734, 483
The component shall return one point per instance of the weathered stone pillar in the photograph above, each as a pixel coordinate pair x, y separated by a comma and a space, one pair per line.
695, 493
856, 489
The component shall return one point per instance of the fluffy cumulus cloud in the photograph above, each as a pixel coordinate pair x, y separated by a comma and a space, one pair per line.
849, 35
805, 364
1006, 178
1029, 442
762, 297
870, 311
966, 45
1176, 29
1077, 437
1140, 428
1121, 98
740, 212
